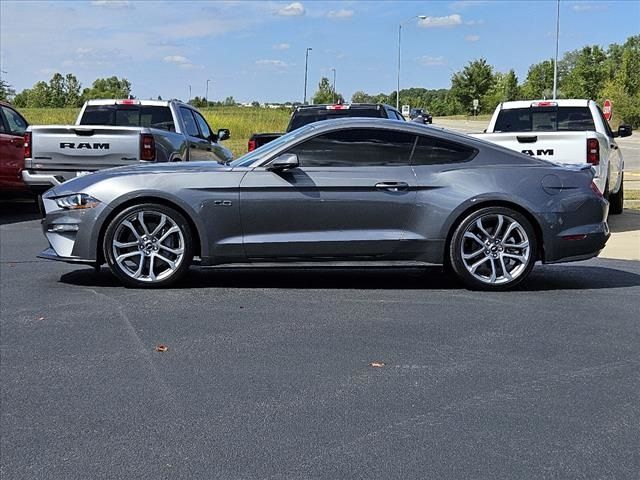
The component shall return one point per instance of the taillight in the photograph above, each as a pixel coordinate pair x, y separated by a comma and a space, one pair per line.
27, 144
593, 151
251, 145
147, 147
596, 190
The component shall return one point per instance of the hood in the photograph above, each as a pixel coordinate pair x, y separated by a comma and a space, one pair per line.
80, 184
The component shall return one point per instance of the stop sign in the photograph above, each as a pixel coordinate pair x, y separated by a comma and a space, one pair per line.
607, 109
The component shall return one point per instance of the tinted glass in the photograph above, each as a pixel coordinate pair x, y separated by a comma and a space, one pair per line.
304, 117
15, 123
129, 116
356, 148
204, 128
545, 119
189, 122
432, 151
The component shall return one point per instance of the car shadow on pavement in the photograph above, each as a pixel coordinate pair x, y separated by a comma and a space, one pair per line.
18, 210
628, 221
542, 278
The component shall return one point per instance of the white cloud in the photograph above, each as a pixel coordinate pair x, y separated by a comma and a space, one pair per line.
338, 14
111, 3
281, 46
432, 61
180, 61
472, 38
272, 63
447, 21
294, 9
588, 7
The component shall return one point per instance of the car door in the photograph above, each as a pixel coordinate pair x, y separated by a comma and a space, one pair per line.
351, 197
199, 147
12, 128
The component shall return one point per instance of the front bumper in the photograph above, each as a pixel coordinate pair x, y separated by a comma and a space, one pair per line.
72, 234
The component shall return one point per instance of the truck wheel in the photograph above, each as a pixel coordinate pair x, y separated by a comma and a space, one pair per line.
616, 200
148, 245
493, 248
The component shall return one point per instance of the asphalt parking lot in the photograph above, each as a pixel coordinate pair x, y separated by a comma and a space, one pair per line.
268, 374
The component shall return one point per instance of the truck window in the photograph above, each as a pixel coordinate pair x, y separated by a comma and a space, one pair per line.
17, 125
129, 116
306, 116
202, 123
545, 119
189, 122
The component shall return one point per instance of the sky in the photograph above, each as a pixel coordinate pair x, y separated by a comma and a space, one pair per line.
256, 50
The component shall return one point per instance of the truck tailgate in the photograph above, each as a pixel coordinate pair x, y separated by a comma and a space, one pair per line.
559, 147
85, 148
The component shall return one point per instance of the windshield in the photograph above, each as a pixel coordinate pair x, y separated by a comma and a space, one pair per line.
545, 119
266, 149
129, 116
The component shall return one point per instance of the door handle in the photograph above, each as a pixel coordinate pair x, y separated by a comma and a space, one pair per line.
392, 186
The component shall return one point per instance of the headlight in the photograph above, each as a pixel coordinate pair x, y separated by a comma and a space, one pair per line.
77, 201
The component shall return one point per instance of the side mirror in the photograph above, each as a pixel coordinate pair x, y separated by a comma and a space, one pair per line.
624, 131
224, 134
282, 162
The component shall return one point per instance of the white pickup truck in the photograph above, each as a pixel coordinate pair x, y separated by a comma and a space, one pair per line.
112, 133
567, 132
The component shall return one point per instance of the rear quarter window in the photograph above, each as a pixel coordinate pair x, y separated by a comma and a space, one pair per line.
434, 151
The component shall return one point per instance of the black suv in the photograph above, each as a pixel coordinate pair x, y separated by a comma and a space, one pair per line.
420, 115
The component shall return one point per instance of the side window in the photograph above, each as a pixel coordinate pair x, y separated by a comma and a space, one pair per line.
433, 151
189, 122
360, 147
607, 127
202, 123
15, 123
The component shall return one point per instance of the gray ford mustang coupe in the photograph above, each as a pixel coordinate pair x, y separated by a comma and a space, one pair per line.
342, 190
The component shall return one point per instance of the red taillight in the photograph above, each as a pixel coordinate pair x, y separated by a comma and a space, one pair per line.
251, 146
596, 190
593, 151
27, 144
573, 238
544, 104
128, 101
147, 147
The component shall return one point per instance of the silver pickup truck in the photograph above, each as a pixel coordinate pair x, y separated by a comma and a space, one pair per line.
113, 133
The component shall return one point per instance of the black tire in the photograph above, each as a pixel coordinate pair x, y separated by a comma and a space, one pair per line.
616, 200
490, 252
165, 255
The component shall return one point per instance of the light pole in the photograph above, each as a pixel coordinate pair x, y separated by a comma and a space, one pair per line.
206, 93
334, 84
306, 65
555, 64
421, 17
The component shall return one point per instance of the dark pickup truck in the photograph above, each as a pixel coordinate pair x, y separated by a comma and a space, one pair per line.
306, 114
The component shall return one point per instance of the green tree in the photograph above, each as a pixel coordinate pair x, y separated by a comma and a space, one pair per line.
539, 81
72, 89
56, 91
325, 93
586, 79
111, 87
475, 81
229, 102
6, 91
36, 97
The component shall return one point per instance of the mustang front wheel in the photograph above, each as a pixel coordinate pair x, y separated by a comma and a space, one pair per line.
148, 245
493, 249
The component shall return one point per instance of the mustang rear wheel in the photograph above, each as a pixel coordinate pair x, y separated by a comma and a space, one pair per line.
148, 245
493, 249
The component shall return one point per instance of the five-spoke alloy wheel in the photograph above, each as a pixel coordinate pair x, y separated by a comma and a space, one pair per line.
148, 245
493, 249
